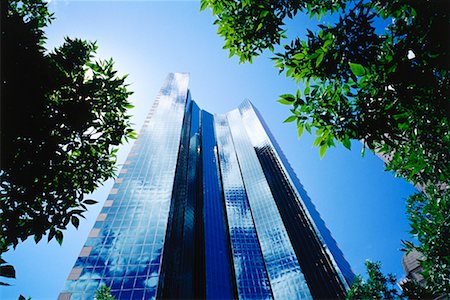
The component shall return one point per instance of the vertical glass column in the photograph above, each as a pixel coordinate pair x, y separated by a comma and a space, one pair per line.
285, 275
218, 268
182, 268
251, 276
123, 250
323, 264
193, 218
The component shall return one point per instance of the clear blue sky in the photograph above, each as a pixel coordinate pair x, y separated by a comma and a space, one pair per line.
361, 203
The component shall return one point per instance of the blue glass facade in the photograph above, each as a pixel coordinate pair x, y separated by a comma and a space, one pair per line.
250, 272
207, 206
218, 263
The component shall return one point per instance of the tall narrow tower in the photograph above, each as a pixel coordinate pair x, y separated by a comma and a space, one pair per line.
207, 206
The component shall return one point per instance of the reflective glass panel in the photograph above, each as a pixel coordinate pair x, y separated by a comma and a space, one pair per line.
286, 277
127, 246
251, 276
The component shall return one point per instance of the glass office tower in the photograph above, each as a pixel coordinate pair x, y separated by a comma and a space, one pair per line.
207, 206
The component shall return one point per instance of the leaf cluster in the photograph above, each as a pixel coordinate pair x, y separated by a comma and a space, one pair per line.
429, 217
359, 83
6, 271
380, 286
63, 115
377, 286
249, 27
387, 87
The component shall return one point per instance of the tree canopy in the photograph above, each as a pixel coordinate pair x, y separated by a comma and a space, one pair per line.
377, 285
388, 89
380, 286
62, 116
372, 71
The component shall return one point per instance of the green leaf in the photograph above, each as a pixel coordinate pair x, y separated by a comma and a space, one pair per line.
300, 129
327, 42
307, 90
322, 150
203, 5
357, 69
37, 238
299, 56
284, 101
264, 13
288, 97
289, 72
318, 140
75, 221
314, 55
308, 127
4, 283
132, 135
59, 237
89, 201
290, 119
347, 144
7, 271
51, 234
319, 59
77, 212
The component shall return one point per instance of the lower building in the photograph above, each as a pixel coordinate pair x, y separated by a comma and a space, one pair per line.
207, 206
414, 285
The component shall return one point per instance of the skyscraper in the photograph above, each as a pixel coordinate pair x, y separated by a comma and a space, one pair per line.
207, 206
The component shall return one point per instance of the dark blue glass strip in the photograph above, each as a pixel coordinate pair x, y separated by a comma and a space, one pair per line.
217, 252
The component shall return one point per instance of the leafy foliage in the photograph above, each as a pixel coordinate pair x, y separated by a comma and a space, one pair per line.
380, 286
388, 88
377, 286
359, 84
62, 116
430, 224
6, 271
249, 27
414, 290
103, 293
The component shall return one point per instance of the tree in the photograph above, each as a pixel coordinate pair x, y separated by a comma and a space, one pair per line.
377, 286
63, 114
103, 293
380, 286
430, 224
414, 290
387, 87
